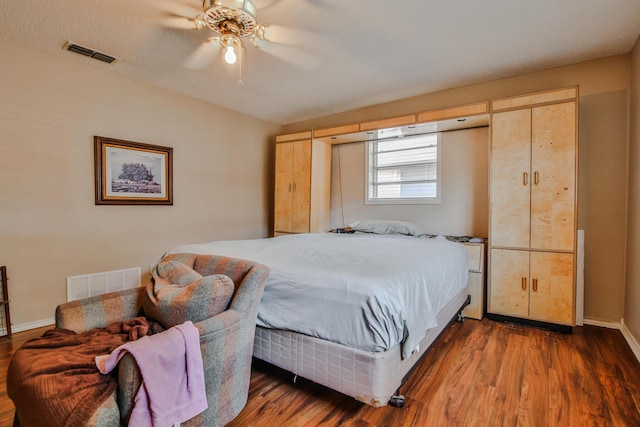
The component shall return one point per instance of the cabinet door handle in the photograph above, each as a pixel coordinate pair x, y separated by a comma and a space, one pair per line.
525, 178
536, 178
524, 283
534, 284
294, 186
289, 187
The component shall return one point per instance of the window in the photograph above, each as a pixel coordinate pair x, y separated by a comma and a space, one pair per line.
404, 170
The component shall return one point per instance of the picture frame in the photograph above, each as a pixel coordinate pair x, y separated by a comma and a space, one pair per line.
132, 173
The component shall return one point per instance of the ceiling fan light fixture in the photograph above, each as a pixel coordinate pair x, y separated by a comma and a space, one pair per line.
236, 16
230, 56
230, 43
233, 20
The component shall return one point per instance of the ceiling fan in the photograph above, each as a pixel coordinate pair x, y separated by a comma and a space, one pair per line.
234, 22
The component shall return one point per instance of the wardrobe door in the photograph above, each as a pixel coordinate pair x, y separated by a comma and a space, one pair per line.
553, 160
510, 178
301, 191
284, 187
551, 289
509, 275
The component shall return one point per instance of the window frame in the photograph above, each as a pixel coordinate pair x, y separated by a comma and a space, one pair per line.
437, 200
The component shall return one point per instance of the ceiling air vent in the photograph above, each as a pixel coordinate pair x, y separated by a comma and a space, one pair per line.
83, 50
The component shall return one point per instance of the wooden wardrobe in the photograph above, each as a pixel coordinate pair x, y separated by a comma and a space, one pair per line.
532, 232
302, 184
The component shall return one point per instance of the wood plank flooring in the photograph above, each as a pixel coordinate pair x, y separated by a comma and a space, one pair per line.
477, 374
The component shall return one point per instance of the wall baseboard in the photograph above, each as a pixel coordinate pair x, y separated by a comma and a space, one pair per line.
610, 325
33, 325
631, 340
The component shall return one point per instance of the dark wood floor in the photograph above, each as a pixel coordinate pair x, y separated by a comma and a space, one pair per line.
478, 374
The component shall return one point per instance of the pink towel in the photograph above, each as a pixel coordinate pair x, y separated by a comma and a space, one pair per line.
172, 389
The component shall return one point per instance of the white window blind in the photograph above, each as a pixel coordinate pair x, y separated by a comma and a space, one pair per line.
404, 170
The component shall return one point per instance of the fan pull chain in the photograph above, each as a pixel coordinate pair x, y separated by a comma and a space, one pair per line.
240, 51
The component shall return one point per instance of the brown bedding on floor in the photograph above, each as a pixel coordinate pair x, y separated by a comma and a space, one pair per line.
55, 378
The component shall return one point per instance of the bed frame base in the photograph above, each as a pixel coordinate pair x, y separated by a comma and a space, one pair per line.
373, 378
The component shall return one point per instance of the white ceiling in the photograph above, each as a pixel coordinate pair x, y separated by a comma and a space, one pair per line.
340, 54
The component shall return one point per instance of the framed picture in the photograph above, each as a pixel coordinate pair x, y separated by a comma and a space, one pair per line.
132, 173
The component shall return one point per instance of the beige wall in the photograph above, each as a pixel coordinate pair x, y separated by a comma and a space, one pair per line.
632, 296
50, 109
604, 88
50, 228
464, 207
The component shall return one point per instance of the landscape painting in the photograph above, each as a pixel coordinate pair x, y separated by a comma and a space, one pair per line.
132, 172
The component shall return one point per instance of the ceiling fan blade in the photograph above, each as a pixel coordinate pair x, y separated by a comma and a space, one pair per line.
287, 35
263, 4
291, 54
203, 55
179, 22
278, 41
177, 15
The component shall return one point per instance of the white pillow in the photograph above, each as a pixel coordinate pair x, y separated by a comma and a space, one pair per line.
379, 226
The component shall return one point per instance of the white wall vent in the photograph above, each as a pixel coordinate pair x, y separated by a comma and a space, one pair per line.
88, 285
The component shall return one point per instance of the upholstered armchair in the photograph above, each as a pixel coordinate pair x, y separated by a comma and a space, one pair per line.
226, 340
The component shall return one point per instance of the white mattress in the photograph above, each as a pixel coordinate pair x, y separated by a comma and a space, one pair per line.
370, 377
367, 292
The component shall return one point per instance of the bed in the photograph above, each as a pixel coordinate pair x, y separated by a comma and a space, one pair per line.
353, 312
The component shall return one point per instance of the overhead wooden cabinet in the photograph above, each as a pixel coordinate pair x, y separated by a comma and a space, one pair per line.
302, 184
532, 235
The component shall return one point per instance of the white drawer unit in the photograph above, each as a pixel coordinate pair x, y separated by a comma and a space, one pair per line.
476, 258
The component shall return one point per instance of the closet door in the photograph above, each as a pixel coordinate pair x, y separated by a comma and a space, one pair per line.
510, 178
553, 167
301, 189
509, 291
551, 289
284, 187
